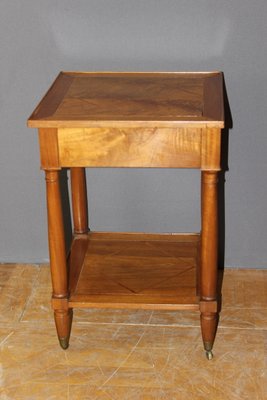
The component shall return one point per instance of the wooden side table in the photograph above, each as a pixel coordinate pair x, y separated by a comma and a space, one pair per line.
162, 120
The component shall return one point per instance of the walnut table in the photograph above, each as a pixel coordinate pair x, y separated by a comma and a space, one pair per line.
150, 120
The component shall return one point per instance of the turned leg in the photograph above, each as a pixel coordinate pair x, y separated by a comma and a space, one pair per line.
79, 200
63, 315
209, 250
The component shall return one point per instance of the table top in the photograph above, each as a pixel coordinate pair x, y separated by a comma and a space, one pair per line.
138, 99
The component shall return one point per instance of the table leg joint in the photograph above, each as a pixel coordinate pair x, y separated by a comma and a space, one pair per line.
60, 303
210, 306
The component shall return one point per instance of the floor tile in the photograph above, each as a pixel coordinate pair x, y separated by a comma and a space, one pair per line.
246, 318
131, 354
241, 286
131, 317
35, 392
13, 302
38, 307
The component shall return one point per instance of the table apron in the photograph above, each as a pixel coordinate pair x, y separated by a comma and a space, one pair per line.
130, 147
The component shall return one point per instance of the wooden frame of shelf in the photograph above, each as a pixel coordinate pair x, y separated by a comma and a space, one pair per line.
151, 120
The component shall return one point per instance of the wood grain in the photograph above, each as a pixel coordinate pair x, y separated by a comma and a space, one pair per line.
209, 257
56, 236
213, 107
52, 98
76, 259
170, 148
172, 303
139, 273
49, 149
79, 200
140, 99
140, 236
209, 236
211, 149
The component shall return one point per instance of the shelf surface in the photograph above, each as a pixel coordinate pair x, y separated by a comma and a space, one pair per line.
132, 270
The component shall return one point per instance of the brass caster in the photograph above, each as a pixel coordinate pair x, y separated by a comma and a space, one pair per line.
209, 355
64, 343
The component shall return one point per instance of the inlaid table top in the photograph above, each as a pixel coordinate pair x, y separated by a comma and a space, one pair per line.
145, 99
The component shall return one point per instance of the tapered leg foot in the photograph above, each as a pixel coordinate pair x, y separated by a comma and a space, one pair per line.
63, 320
209, 322
208, 347
64, 343
209, 355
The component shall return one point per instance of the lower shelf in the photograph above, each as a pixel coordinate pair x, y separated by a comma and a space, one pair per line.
134, 270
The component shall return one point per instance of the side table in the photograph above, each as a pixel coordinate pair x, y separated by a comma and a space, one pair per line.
149, 120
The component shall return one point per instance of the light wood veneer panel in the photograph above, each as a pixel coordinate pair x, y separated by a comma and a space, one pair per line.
169, 147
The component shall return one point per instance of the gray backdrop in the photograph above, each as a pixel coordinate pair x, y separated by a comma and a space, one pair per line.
39, 38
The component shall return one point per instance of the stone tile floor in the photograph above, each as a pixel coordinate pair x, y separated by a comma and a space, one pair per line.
131, 355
